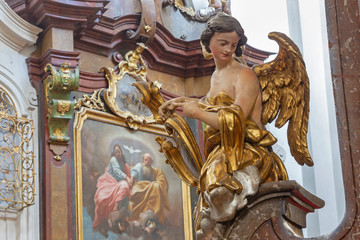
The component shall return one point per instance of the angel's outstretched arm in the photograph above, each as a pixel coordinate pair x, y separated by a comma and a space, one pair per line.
192, 110
171, 105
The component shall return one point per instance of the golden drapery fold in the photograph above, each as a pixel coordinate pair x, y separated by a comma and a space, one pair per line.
238, 143
150, 195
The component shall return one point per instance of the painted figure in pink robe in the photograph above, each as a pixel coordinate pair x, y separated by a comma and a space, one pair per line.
113, 189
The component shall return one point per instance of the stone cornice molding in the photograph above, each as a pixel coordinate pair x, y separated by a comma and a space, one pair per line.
254, 56
103, 35
175, 56
108, 35
15, 31
165, 54
75, 15
90, 82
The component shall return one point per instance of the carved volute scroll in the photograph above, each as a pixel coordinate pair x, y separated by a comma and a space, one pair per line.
185, 158
151, 97
147, 27
60, 107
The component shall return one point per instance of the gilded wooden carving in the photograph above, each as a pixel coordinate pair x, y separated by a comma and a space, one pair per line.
285, 87
120, 96
58, 86
116, 119
203, 14
285, 95
181, 6
134, 64
17, 169
93, 102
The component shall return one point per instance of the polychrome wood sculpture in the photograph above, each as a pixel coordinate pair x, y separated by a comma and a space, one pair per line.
238, 152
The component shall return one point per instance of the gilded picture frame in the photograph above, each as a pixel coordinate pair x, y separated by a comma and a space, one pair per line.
95, 134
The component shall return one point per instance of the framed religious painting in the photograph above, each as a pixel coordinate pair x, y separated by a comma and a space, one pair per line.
124, 187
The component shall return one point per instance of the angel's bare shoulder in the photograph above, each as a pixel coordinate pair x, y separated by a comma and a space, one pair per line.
245, 78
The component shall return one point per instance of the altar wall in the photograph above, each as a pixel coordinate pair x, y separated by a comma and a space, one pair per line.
95, 34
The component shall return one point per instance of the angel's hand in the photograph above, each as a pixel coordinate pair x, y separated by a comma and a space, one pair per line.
169, 106
164, 109
190, 109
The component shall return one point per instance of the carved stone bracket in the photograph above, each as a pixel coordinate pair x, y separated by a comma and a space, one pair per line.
283, 206
146, 30
58, 86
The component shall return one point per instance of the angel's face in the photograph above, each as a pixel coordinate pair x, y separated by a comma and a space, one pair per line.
223, 45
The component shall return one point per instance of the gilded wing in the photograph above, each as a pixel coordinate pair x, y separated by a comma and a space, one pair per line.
285, 95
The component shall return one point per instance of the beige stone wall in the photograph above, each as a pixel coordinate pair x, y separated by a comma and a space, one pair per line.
91, 62
194, 86
197, 86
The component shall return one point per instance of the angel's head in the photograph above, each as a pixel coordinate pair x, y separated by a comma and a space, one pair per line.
223, 23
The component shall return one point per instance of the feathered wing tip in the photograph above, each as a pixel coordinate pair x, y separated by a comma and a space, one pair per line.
285, 95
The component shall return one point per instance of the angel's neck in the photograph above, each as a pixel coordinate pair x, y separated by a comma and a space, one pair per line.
220, 65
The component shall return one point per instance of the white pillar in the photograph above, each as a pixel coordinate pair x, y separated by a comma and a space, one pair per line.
327, 171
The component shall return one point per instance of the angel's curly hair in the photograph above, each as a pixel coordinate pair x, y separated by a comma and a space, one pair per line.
223, 23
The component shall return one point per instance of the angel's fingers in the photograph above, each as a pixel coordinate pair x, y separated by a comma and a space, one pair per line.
172, 106
163, 108
179, 104
180, 99
161, 113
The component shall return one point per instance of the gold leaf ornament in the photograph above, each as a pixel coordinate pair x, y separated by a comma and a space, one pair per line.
59, 134
285, 95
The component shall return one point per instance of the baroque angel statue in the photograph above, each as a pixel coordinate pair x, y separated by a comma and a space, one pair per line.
241, 101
